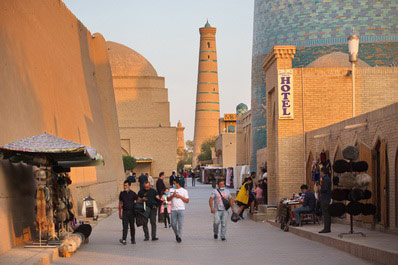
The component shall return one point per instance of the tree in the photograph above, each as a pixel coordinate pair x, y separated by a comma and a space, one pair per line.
129, 163
186, 160
189, 145
205, 149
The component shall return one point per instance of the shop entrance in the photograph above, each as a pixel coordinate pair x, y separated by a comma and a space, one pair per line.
380, 182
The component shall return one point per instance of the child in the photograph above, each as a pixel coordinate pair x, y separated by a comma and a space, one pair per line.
259, 195
166, 208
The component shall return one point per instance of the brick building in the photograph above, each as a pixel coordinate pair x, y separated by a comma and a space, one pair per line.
143, 111
376, 135
316, 28
322, 96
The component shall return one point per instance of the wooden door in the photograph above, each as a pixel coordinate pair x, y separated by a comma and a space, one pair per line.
365, 154
383, 184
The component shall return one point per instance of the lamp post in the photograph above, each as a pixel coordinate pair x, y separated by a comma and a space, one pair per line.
353, 47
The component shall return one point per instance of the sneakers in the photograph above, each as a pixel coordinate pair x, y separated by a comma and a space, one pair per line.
178, 239
155, 238
122, 241
215, 236
146, 239
133, 242
223, 239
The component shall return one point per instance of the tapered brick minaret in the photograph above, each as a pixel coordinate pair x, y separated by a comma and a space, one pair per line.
207, 96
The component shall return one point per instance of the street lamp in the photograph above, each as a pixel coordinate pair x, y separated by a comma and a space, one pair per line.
353, 47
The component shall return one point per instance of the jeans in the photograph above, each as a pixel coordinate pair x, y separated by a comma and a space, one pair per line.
177, 220
302, 209
220, 217
166, 216
326, 216
152, 218
128, 219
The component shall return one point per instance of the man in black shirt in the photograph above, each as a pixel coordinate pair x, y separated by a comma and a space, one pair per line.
326, 189
172, 178
150, 196
308, 204
160, 187
127, 199
141, 179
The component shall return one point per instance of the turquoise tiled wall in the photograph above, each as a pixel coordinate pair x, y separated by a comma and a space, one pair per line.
318, 27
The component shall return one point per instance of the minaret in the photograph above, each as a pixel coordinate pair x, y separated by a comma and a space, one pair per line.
180, 139
207, 96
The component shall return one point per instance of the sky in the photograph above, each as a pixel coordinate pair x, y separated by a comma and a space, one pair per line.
166, 32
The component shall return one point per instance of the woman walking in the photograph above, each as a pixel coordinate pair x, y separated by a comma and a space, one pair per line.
166, 208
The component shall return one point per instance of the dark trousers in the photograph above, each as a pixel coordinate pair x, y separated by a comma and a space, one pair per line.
152, 219
193, 181
325, 213
166, 217
128, 219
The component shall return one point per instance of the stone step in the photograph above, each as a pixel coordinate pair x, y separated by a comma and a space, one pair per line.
257, 217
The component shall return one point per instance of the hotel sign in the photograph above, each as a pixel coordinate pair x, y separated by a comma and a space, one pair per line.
285, 94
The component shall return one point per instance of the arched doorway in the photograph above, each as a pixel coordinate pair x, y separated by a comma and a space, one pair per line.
308, 170
380, 181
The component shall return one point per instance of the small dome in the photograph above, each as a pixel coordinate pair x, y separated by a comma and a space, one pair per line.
335, 60
207, 25
127, 62
241, 109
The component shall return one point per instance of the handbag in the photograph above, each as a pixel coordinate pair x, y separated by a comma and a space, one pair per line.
235, 217
226, 203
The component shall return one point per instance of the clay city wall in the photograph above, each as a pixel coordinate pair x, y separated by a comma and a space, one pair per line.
55, 78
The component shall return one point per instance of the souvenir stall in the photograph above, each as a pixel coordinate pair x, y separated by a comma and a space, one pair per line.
351, 194
51, 158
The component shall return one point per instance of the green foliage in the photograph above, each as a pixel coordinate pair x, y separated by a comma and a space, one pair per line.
129, 163
186, 160
205, 149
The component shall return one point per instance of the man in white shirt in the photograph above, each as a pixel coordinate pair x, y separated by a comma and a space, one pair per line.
179, 197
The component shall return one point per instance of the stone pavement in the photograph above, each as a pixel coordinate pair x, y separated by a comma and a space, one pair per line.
247, 242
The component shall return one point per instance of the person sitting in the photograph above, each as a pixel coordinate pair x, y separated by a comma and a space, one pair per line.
309, 203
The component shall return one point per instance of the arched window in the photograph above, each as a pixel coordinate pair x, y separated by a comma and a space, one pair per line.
208, 45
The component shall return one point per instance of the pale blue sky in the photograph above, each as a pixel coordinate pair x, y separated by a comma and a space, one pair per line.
166, 33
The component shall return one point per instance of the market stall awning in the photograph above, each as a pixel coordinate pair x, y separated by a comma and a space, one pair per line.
144, 160
54, 150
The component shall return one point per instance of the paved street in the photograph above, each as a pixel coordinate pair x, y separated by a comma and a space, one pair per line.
247, 243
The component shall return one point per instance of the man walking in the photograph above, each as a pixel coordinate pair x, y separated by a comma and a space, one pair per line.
149, 195
192, 173
179, 197
218, 209
160, 187
127, 199
326, 189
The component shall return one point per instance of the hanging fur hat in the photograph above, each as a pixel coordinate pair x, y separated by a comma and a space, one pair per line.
60, 216
347, 180
368, 209
338, 195
336, 209
367, 194
341, 166
346, 192
355, 195
363, 180
354, 208
84, 229
351, 153
360, 166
